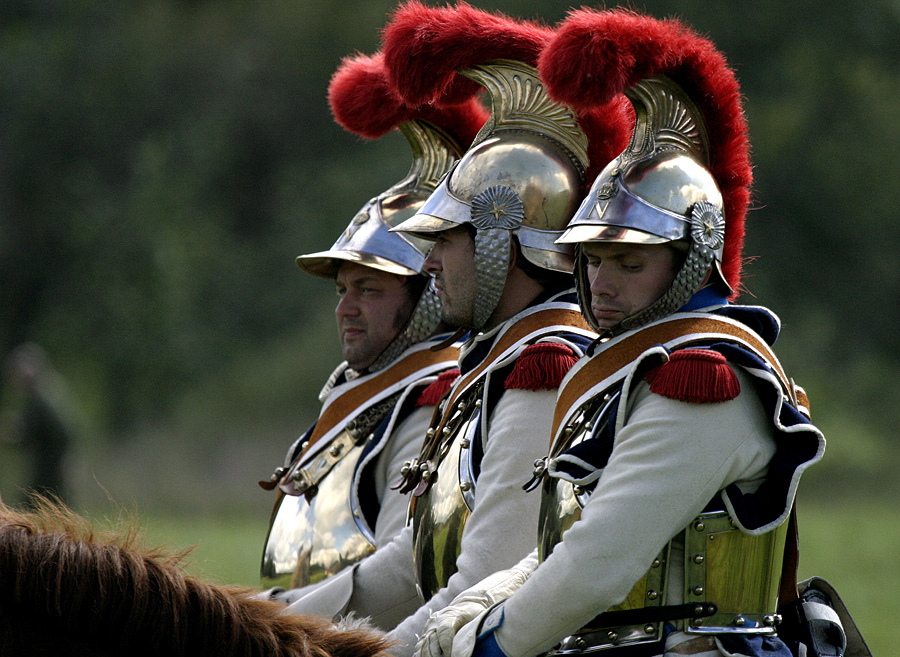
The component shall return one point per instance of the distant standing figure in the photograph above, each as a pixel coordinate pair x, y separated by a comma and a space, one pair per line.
41, 429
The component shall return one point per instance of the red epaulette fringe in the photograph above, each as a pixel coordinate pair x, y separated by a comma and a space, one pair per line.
541, 366
698, 376
432, 394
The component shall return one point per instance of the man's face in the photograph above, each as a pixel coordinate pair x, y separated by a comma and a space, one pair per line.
374, 308
451, 263
626, 278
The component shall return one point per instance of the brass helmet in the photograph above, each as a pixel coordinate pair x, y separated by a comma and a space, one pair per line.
524, 174
686, 167
364, 103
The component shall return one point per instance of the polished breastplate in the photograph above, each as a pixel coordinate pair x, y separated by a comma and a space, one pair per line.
439, 515
312, 537
730, 581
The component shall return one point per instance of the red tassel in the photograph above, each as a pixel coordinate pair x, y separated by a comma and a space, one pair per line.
541, 366
698, 376
432, 394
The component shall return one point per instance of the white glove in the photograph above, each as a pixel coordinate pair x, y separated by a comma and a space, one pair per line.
437, 635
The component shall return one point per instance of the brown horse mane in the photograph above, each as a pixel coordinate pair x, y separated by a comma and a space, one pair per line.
67, 587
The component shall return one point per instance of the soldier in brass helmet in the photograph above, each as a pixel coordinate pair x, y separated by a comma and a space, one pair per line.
499, 274
334, 503
678, 442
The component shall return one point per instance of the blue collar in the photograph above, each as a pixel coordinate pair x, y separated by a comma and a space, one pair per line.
708, 296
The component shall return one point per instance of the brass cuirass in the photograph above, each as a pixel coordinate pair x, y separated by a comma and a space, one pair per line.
732, 576
311, 538
440, 514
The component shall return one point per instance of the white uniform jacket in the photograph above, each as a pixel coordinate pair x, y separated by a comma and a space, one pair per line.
668, 460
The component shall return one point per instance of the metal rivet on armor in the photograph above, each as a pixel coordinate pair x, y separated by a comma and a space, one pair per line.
607, 397
712, 537
612, 636
335, 449
698, 622
698, 590
305, 444
580, 643
588, 426
652, 595
578, 490
699, 610
772, 619
477, 403
699, 526
464, 485
405, 469
649, 629
739, 621
423, 467
446, 431
698, 558
430, 433
464, 443
461, 406
656, 563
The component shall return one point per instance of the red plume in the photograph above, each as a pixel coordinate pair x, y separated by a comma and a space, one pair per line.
596, 55
425, 46
364, 103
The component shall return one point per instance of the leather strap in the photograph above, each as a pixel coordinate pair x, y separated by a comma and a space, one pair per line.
787, 590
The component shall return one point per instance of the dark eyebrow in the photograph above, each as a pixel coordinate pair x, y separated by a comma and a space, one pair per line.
365, 279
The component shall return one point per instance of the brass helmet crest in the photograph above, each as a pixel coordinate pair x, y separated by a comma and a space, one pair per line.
522, 177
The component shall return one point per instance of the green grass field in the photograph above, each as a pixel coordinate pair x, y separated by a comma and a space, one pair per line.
853, 546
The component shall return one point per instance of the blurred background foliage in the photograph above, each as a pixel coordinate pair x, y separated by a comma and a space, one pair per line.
162, 162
